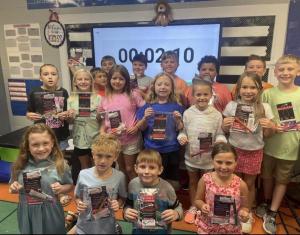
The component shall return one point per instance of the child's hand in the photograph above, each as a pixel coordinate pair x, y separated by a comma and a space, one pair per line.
266, 123
63, 115
131, 214
228, 121
114, 204
33, 116
81, 206
177, 116
148, 112
205, 208
132, 130
244, 215
182, 139
15, 187
71, 113
56, 187
169, 215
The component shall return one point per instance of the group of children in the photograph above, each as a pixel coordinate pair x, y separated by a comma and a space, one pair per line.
129, 141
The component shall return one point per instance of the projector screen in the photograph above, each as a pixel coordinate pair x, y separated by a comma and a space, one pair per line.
190, 42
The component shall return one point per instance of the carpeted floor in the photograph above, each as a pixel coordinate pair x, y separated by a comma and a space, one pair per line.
8, 217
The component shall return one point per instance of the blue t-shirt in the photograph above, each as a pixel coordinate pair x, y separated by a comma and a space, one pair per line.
169, 143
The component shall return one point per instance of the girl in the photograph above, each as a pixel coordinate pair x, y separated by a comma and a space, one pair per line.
100, 80
40, 169
220, 195
82, 105
247, 138
39, 110
160, 119
201, 122
119, 106
105, 150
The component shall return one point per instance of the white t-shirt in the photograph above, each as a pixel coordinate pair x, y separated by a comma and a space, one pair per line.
196, 122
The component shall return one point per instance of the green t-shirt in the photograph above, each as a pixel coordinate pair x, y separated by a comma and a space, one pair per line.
283, 145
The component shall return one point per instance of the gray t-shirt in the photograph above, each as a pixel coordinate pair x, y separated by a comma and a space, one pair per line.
167, 199
247, 141
116, 187
144, 82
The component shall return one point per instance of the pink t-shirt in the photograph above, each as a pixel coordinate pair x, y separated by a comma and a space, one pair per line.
127, 107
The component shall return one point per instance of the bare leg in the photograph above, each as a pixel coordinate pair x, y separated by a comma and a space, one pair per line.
85, 161
268, 188
250, 181
129, 161
193, 182
278, 194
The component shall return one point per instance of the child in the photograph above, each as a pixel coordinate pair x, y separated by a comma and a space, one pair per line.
255, 64
48, 104
201, 122
104, 178
169, 64
82, 106
107, 62
165, 205
100, 80
281, 150
208, 68
160, 120
221, 195
248, 120
120, 106
139, 65
41, 159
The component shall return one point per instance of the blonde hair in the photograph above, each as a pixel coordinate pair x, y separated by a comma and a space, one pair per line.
201, 82
74, 87
289, 58
106, 143
152, 97
25, 154
258, 106
149, 156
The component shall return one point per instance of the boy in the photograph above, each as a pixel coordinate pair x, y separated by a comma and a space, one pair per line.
281, 150
100, 80
139, 65
169, 64
208, 68
165, 208
255, 64
100, 190
107, 62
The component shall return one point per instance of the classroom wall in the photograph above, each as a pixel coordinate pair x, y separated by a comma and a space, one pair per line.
15, 12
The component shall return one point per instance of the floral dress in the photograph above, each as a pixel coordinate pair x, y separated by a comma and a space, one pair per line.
212, 189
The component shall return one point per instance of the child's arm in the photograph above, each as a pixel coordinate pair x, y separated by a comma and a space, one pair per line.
199, 198
142, 124
227, 123
244, 209
33, 116
170, 215
129, 213
58, 188
81, 206
15, 187
269, 127
178, 120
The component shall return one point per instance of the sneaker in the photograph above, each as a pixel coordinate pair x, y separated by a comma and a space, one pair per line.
190, 215
247, 226
261, 210
269, 224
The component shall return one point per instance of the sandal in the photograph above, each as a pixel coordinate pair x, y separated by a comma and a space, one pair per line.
65, 199
70, 219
